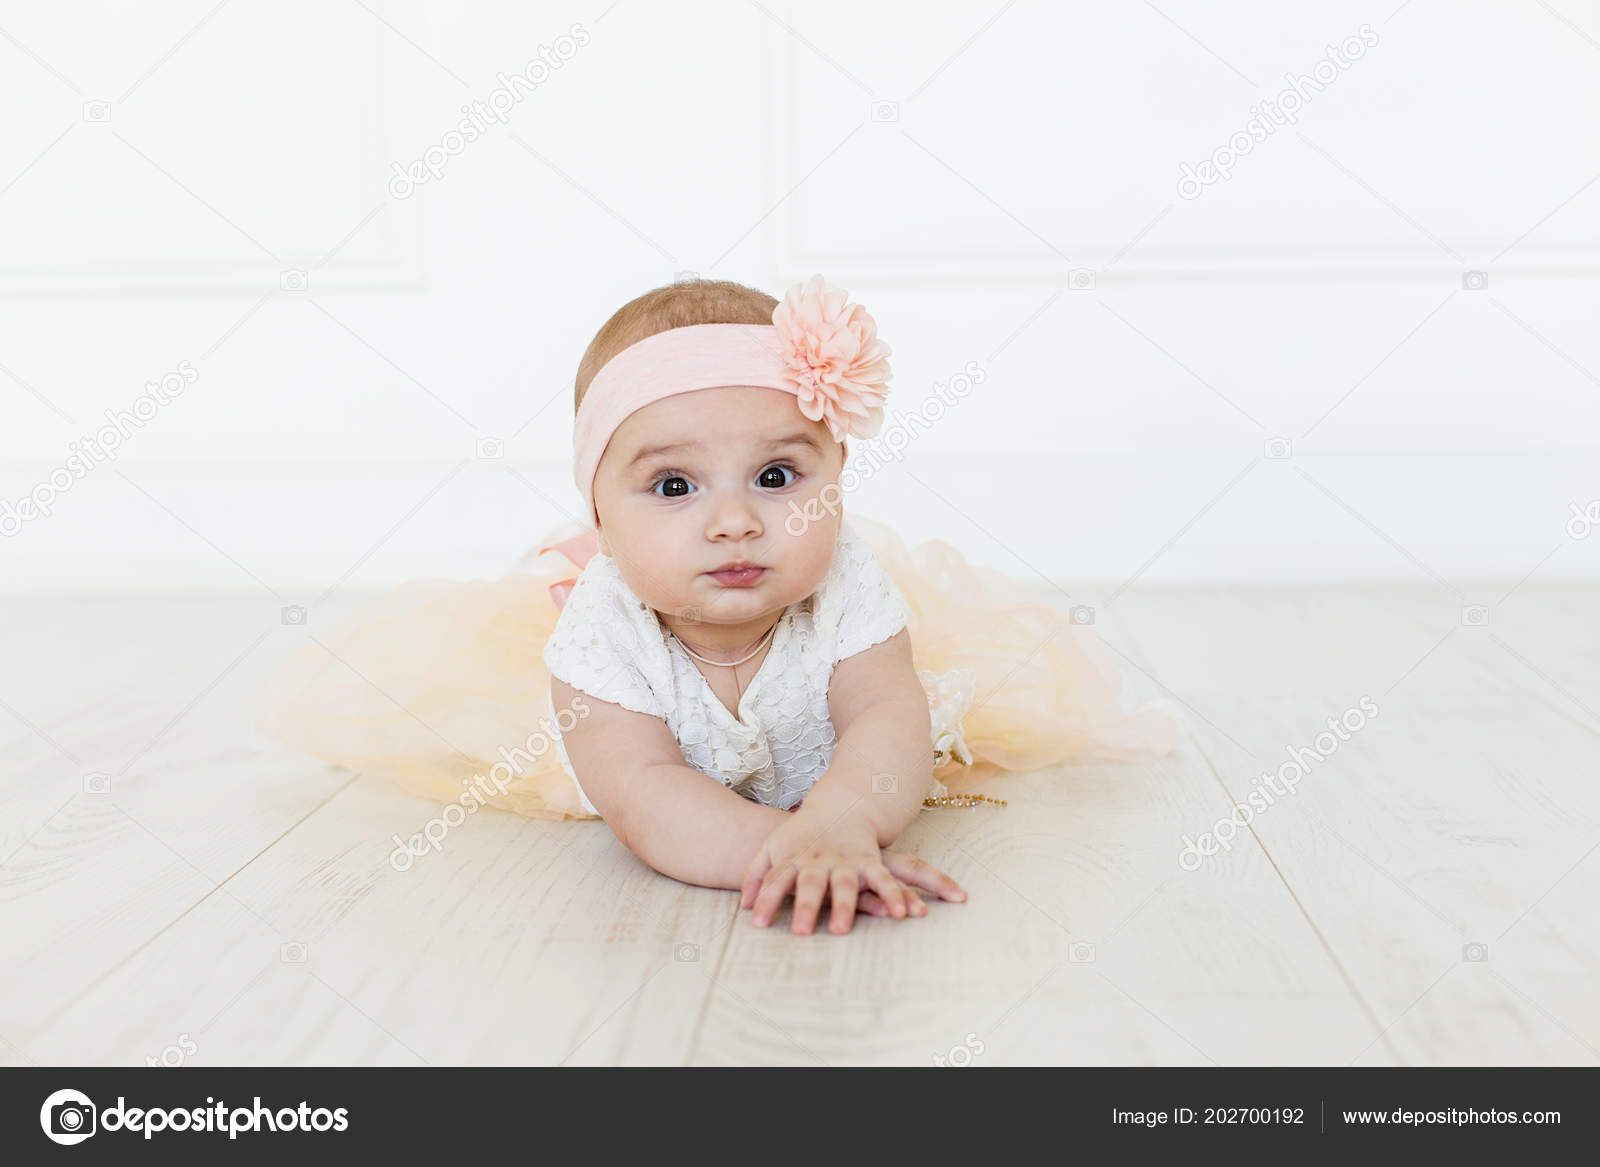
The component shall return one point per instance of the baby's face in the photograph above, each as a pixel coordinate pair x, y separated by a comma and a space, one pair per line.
697, 481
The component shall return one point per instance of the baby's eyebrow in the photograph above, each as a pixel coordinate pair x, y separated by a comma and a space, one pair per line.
667, 448
798, 439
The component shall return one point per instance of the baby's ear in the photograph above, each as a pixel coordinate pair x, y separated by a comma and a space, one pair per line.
844, 460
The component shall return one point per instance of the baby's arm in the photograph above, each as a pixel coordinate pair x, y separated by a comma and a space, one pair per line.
880, 714
681, 822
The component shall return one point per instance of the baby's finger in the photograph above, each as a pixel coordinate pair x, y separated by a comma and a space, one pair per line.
888, 889
770, 897
870, 903
843, 892
808, 889
919, 873
755, 871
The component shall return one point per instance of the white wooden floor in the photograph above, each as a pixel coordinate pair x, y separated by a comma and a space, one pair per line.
223, 903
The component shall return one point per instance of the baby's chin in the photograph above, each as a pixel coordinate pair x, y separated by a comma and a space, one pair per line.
729, 605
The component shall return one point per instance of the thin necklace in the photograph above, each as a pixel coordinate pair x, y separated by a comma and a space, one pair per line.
728, 664
964, 800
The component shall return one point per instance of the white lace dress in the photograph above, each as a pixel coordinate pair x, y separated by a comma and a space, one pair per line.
610, 644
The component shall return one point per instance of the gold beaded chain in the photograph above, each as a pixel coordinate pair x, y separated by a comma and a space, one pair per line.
965, 800
962, 800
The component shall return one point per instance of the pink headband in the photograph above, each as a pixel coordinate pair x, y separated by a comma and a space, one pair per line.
826, 354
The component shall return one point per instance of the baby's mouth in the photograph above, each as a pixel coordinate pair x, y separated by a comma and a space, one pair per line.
738, 575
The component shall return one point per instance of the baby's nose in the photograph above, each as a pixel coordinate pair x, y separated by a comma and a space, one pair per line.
734, 518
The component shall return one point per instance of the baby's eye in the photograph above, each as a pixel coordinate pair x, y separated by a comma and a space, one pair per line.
677, 486
773, 477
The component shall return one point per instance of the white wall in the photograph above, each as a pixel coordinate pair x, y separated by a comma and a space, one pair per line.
998, 183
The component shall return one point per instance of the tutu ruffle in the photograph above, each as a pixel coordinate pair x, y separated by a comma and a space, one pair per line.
441, 687
1045, 689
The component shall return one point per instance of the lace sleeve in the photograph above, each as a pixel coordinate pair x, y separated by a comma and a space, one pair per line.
601, 643
858, 604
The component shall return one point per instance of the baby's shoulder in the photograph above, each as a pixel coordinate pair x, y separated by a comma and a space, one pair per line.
601, 603
607, 642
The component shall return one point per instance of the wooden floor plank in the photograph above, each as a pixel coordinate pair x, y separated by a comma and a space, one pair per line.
518, 942
121, 814
1432, 830
1081, 940
240, 900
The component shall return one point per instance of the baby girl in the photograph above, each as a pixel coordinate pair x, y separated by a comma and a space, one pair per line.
754, 719
726, 660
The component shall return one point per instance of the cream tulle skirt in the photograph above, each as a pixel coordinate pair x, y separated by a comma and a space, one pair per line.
434, 684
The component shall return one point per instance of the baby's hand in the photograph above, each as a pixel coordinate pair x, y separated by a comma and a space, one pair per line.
816, 858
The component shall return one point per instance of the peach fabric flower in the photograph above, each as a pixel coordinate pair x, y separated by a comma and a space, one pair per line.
833, 354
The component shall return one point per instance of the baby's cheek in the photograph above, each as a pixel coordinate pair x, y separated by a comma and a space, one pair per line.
654, 588
820, 557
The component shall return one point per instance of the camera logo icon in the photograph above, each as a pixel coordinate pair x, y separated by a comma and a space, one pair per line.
1081, 953
1081, 279
885, 784
1475, 616
1277, 449
685, 277
293, 280
1475, 281
1081, 614
490, 448
293, 614
689, 615
960, 1056
684, 953
1475, 953
68, 1117
97, 783
886, 111
97, 111
293, 952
